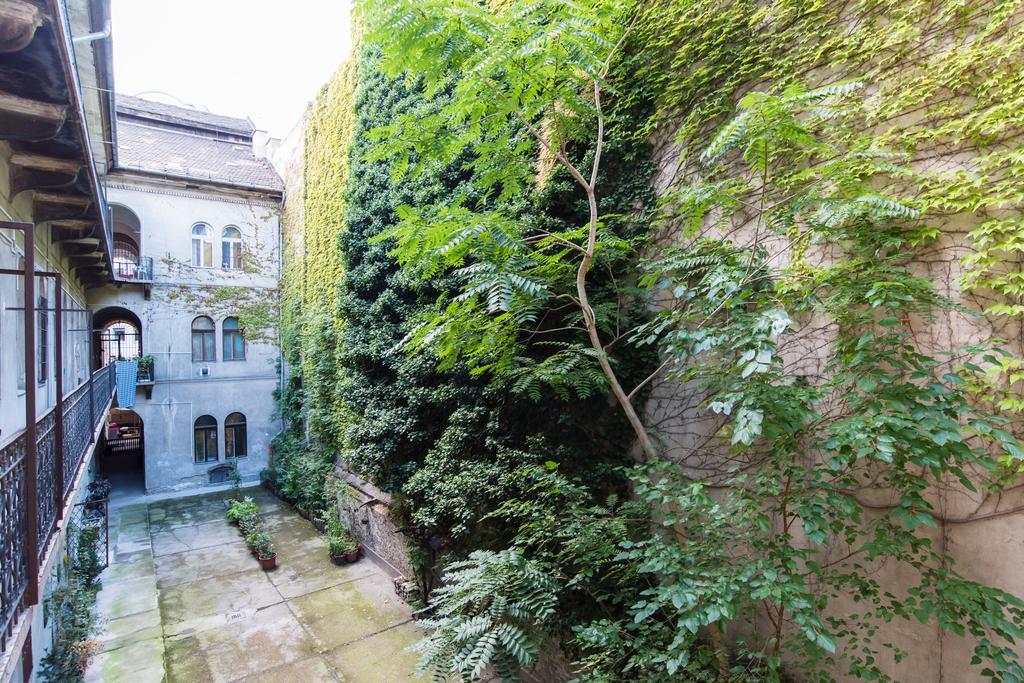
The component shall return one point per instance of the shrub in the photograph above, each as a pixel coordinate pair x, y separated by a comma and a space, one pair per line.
242, 509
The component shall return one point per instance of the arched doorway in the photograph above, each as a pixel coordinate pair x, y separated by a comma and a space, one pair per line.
124, 452
117, 335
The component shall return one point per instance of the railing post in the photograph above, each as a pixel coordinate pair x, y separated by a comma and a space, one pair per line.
92, 403
31, 465
58, 425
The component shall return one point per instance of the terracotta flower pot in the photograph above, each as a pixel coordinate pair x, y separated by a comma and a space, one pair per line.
268, 563
354, 555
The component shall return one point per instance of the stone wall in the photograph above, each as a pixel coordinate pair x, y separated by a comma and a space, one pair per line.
368, 512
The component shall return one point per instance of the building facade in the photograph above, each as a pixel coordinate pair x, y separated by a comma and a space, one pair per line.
195, 213
152, 232
56, 127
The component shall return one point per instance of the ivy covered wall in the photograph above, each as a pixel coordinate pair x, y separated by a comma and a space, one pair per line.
941, 92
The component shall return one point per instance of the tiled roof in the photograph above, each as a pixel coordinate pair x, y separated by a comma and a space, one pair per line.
135, 106
203, 147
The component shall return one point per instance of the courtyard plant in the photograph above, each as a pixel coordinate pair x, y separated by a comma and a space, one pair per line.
246, 514
71, 607
342, 545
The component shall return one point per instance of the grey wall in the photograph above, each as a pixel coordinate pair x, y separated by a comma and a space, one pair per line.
182, 391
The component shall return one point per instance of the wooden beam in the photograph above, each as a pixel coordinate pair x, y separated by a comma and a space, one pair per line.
50, 206
79, 224
18, 23
39, 162
39, 172
75, 200
77, 239
93, 261
25, 119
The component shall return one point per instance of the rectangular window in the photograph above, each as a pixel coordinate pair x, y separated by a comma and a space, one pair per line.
43, 345
234, 346
203, 346
206, 445
202, 253
234, 442
231, 255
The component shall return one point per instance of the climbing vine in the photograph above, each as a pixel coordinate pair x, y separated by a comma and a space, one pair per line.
792, 295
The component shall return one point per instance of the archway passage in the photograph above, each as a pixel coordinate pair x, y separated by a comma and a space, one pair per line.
118, 335
124, 453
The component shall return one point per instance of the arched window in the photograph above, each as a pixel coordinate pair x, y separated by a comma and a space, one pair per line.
206, 439
203, 339
231, 248
126, 256
234, 341
235, 445
202, 246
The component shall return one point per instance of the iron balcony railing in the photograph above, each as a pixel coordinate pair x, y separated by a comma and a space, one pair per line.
132, 271
58, 462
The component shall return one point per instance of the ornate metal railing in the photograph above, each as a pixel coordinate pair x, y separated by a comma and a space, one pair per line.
13, 565
46, 459
77, 435
81, 413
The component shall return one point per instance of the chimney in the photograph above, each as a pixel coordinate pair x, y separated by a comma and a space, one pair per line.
260, 138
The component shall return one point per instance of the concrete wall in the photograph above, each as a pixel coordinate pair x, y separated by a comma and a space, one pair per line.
184, 389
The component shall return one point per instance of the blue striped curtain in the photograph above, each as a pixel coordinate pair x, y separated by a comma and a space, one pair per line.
126, 372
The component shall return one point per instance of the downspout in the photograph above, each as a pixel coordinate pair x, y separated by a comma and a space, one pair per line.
98, 35
280, 302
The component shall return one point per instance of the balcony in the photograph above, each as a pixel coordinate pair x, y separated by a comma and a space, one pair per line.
63, 437
136, 270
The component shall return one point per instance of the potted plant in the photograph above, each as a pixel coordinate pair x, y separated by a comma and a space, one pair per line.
263, 547
240, 510
144, 372
352, 549
338, 547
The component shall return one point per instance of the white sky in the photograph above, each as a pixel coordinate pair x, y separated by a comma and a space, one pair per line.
264, 59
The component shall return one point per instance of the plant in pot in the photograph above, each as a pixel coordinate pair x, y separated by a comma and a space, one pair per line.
263, 547
145, 369
352, 548
338, 547
239, 510
249, 523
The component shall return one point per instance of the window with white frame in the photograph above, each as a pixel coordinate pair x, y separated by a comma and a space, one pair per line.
231, 248
202, 246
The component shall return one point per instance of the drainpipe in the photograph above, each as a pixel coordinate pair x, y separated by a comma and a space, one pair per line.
99, 35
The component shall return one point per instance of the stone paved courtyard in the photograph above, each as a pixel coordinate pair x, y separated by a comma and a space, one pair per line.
184, 601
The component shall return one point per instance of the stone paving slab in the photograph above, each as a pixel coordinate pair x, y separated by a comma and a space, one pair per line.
140, 662
186, 602
269, 638
205, 563
206, 535
183, 606
380, 658
348, 612
117, 633
305, 671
